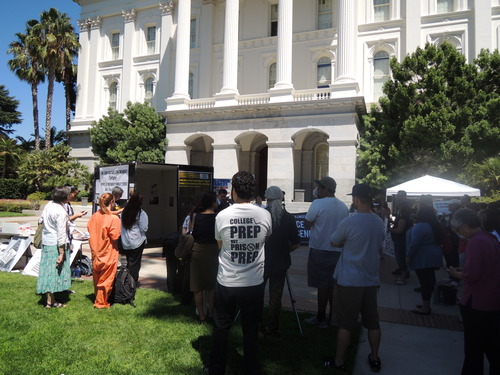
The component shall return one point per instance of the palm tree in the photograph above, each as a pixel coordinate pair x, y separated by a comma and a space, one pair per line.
27, 66
67, 75
58, 46
9, 151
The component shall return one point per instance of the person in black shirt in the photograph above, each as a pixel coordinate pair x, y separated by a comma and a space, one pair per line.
283, 240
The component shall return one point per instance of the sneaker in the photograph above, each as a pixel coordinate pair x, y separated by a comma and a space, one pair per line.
315, 322
399, 282
397, 271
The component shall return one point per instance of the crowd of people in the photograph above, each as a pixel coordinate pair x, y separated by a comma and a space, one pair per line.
241, 246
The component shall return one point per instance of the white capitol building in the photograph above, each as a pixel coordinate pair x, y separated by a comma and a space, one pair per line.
274, 87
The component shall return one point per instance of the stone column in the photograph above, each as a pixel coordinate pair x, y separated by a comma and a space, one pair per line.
229, 92
280, 170
283, 89
166, 32
345, 84
127, 92
413, 23
82, 96
206, 45
181, 90
225, 160
95, 37
482, 27
178, 154
341, 158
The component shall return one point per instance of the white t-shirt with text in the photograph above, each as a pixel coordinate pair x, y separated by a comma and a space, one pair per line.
243, 229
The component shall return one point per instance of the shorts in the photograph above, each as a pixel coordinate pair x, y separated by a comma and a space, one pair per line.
320, 267
350, 301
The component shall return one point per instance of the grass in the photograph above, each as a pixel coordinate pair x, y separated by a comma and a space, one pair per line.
160, 336
11, 214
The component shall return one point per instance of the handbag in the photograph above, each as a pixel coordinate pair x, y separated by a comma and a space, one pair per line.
37, 238
184, 248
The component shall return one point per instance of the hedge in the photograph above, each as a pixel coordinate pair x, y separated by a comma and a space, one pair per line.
18, 206
12, 189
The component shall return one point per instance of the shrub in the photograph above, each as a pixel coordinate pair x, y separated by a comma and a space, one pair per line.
16, 206
82, 194
38, 196
12, 189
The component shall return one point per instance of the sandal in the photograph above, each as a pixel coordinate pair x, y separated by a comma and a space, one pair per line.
58, 305
330, 362
374, 365
48, 306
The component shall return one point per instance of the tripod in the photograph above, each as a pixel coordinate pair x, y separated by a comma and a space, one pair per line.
292, 300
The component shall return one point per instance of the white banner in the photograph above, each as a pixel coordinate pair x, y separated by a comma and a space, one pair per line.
13, 252
33, 266
109, 177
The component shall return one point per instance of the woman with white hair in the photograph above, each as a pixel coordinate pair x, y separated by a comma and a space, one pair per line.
283, 240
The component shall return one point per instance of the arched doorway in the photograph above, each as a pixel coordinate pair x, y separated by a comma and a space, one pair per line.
202, 152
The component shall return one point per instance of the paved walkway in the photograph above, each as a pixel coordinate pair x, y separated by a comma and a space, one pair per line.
411, 344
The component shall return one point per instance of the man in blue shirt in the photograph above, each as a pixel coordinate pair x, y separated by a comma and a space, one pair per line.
360, 237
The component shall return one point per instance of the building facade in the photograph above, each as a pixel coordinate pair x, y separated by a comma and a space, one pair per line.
275, 87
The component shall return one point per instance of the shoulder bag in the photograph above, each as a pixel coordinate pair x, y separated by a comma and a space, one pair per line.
37, 238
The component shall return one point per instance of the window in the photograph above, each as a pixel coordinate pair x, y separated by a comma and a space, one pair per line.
324, 14
148, 91
272, 75
192, 35
191, 85
324, 72
381, 10
380, 73
115, 46
151, 39
274, 19
321, 161
113, 95
444, 6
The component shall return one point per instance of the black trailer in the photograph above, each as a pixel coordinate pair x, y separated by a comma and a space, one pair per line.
169, 191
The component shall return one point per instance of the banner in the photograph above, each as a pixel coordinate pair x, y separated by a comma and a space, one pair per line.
303, 232
10, 255
33, 266
112, 176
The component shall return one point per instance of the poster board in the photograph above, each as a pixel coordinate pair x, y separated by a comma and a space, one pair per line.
10, 255
33, 266
111, 176
301, 228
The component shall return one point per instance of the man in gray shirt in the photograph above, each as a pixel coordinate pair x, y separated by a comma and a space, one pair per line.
360, 237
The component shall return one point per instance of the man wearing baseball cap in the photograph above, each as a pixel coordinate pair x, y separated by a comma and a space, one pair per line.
322, 218
360, 237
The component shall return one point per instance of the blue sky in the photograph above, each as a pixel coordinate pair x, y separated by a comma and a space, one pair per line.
14, 17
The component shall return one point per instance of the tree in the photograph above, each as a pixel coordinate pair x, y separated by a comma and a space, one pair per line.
58, 46
8, 112
43, 170
10, 152
485, 175
436, 118
27, 66
136, 135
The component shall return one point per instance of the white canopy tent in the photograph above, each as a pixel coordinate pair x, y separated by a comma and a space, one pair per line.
435, 186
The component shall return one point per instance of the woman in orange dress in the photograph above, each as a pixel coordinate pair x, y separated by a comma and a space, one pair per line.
104, 229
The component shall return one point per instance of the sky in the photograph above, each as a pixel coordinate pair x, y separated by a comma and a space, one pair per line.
14, 17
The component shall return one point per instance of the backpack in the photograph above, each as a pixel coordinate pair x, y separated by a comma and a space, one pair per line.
124, 288
85, 264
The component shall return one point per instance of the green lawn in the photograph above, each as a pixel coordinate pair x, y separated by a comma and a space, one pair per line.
160, 336
11, 214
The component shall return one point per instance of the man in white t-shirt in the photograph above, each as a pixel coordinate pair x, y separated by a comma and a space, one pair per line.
323, 217
241, 231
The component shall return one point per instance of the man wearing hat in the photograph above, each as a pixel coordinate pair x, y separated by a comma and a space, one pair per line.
360, 237
322, 218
